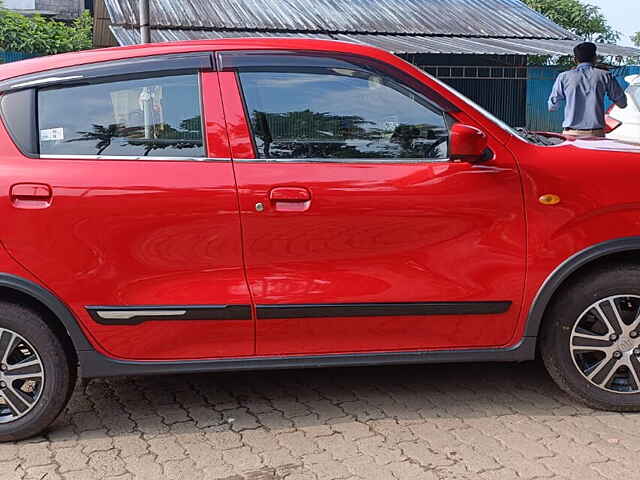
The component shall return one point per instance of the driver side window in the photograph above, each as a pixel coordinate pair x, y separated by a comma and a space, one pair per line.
341, 114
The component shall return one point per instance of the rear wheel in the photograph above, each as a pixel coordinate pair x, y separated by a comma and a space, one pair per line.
35, 377
591, 339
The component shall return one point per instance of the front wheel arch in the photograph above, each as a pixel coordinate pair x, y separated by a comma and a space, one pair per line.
622, 250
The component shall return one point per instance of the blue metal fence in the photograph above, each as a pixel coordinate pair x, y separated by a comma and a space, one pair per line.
539, 86
6, 56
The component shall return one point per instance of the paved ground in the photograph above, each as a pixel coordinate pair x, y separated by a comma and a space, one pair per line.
421, 422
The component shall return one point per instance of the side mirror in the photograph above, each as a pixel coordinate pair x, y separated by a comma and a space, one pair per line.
468, 144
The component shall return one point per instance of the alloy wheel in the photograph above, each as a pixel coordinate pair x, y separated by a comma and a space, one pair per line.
605, 344
21, 376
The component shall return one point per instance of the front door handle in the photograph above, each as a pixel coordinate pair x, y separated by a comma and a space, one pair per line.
290, 199
31, 195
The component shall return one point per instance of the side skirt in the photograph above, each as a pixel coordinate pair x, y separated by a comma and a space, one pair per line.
94, 364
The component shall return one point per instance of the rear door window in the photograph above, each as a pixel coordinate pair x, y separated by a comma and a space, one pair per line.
158, 116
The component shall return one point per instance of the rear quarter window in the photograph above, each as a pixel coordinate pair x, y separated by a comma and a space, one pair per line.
18, 114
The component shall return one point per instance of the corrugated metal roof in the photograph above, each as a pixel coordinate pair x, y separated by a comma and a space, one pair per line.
401, 44
131, 36
497, 27
485, 18
493, 46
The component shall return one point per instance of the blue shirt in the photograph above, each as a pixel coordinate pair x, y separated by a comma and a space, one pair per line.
584, 89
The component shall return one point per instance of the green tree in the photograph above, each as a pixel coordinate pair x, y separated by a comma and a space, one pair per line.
636, 39
583, 19
40, 35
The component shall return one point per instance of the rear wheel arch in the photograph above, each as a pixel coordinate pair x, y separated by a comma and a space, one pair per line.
623, 250
58, 317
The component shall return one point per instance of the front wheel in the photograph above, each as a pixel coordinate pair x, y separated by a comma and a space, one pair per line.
591, 339
35, 376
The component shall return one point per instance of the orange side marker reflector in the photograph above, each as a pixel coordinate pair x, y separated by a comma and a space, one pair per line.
549, 199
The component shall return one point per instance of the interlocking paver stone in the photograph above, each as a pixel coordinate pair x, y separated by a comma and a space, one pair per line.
453, 422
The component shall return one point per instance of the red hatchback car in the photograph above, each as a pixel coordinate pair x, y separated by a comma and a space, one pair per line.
274, 203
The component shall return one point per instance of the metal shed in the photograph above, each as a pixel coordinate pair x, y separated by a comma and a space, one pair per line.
478, 46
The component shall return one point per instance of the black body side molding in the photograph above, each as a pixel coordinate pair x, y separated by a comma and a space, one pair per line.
565, 269
95, 364
380, 309
140, 314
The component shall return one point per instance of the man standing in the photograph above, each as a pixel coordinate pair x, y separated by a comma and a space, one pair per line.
584, 89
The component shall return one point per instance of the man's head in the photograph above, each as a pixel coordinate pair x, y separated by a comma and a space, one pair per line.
586, 52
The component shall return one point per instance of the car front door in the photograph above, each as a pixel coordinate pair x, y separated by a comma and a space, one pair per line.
359, 233
128, 209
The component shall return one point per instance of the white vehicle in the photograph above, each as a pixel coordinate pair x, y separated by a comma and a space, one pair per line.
624, 123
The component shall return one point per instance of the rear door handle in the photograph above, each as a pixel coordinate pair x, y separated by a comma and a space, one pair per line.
31, 195
290, 199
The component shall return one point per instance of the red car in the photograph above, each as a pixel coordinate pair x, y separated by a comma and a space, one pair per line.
282, 203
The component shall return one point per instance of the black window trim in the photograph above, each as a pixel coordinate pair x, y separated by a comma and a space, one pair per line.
354, 160
310, 60
133, 158
112, 70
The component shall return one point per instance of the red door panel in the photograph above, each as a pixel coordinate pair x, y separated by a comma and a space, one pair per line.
384, 233
374, 233
138, 233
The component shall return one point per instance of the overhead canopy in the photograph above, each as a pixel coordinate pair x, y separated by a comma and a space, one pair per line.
400, 44
480, 45
489, 27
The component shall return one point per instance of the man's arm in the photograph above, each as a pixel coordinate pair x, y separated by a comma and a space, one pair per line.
615, 92
557, 95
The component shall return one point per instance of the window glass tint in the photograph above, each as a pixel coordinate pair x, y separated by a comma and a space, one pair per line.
340, 114
152, 116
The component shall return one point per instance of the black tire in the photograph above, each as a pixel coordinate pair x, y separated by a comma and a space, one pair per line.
561, 317
59, 375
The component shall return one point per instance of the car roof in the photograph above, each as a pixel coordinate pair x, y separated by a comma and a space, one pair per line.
40, 64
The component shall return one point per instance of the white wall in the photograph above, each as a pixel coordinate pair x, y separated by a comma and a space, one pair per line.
20, 4
60, 9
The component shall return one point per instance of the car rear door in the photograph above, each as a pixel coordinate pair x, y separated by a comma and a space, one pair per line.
124, 205
359, 233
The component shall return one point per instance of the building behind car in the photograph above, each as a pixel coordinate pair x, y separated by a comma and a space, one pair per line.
58, 9
481, 48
